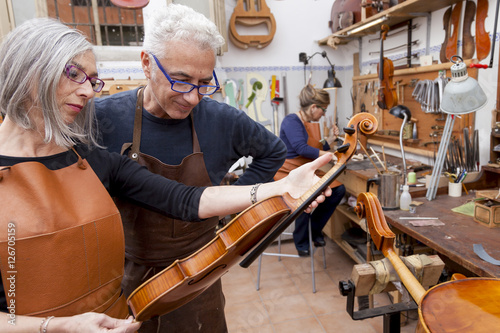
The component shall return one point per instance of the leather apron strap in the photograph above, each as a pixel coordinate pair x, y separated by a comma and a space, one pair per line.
135, 145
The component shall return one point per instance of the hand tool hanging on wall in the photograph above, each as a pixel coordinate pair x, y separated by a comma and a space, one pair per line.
410, 44
469, 44
451, 46
396, 32
446, 27
483, 42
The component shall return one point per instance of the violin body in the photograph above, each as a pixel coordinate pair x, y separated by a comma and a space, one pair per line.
187, 278
460, 306
387, 96
466, 305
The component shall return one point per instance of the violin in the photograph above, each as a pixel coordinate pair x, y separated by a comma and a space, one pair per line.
387, 96
458, 306
253, 229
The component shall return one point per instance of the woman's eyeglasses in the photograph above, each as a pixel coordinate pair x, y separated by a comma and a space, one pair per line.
322, 108
75, 74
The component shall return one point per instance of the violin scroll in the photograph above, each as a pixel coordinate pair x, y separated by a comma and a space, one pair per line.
369, 206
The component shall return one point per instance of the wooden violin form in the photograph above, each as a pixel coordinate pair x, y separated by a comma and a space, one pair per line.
187, 278
387, 96
468, 41
460, 306
256, 13
451, 46
483, 42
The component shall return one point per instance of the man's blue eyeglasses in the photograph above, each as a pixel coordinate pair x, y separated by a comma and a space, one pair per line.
185, 87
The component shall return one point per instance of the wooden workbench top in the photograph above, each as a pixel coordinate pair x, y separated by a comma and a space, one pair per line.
456, 237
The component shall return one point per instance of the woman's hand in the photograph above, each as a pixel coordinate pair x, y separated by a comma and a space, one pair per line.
332, 134
303, 178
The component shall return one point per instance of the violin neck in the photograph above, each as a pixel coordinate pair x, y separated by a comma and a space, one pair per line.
321, 185
381, 62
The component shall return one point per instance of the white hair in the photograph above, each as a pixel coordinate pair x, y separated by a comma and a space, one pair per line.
178, 22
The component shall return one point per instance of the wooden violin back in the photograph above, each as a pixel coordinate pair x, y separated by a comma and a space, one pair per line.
462, 306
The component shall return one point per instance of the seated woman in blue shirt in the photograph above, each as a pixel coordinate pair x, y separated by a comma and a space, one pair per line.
303, 146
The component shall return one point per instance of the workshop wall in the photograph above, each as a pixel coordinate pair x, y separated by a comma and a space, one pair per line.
299, 26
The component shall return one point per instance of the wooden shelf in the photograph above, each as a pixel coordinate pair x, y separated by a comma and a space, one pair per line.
394, 15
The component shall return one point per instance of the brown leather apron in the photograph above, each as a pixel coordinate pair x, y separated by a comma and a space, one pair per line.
153, 241
314, 133
61, 241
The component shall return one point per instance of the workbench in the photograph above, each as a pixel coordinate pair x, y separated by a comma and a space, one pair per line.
454, 239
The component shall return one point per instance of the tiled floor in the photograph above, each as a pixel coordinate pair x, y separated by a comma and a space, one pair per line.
285, 301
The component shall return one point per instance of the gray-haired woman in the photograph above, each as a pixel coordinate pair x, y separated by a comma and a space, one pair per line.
61, 238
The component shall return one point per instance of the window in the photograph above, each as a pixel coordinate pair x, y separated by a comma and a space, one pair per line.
104, 25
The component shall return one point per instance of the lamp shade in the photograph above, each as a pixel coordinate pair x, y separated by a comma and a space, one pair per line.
400, 111
332, 82
462, 94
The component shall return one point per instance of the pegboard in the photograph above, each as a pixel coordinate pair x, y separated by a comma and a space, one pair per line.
429, 125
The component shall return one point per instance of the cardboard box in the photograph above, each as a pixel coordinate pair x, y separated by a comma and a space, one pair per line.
487, 210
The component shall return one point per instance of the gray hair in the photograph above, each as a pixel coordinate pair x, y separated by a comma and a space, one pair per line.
32, 60
178, 22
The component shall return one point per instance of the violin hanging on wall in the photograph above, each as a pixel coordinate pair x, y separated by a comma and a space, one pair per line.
387, 96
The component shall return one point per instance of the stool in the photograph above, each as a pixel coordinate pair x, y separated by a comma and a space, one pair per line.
312, 249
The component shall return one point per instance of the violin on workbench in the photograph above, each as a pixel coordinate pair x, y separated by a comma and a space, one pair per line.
248, 234
387, 96
462, 305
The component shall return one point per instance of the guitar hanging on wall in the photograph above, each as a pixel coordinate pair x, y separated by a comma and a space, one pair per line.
387, 97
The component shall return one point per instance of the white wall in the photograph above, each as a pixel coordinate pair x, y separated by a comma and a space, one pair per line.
300, 24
